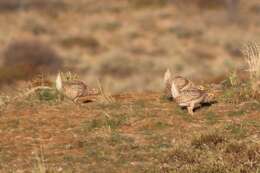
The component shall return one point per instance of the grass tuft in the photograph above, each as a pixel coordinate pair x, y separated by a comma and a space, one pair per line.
40, 165
252, 57
208, 140
105, 98
235, 147
184, 155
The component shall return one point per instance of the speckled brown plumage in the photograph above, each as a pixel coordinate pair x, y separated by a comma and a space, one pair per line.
191, 97
74, 89
180, 82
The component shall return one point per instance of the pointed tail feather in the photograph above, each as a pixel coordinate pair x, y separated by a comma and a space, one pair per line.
174, 90
59, 82
167, 83
167, 76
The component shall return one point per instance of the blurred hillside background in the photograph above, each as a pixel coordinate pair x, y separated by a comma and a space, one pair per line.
126, 44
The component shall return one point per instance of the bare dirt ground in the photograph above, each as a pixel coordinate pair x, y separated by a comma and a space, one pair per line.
136, 133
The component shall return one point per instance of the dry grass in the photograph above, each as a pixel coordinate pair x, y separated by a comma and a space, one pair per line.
129, 50
40, 163
252, 57
105, 97
67, 76
124, 39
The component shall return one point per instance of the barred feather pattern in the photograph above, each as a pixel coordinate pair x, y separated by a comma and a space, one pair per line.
187, 97
74, 89
180, 82
191, 98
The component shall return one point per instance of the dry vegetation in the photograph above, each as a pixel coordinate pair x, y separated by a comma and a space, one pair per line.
252, 54
141, 39
127, 45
